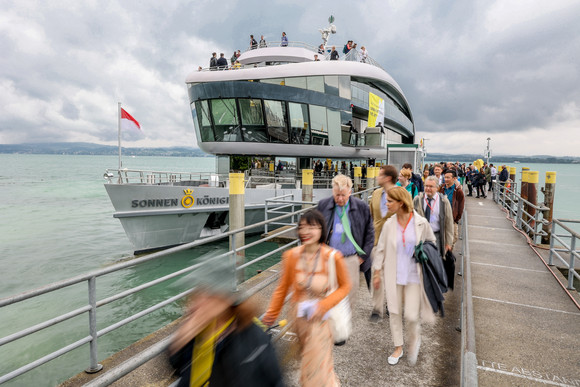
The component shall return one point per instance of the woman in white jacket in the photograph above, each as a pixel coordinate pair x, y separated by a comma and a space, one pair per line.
402, 275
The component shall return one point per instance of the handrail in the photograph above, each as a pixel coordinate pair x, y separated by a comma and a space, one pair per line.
468, 353
569, 249
93, 305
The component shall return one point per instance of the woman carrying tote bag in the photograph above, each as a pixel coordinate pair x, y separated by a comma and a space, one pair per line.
305, 272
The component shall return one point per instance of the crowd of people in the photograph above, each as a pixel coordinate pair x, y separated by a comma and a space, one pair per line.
349, 50
401, 243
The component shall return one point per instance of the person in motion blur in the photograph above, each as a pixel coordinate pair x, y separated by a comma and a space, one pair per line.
402, 275
305, 273
387, 178
219, 345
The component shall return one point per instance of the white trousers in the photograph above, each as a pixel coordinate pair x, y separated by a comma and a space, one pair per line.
410, 301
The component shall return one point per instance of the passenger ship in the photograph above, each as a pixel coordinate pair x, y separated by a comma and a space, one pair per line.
277, 103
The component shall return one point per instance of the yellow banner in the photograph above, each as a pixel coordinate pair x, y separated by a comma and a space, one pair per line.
376, 110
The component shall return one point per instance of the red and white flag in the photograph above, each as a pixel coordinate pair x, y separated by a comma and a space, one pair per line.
128, 122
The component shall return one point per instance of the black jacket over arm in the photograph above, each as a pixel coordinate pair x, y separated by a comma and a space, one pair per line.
361, 225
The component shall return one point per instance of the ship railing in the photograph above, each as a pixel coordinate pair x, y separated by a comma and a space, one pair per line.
525, 213
372, 138
355, 56
568, 244
467, 320
286, 44
138, 176
91, 279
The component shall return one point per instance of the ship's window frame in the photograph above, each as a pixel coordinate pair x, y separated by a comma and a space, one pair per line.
315, 83
230, 131
331, 85
299, 112
253, 123
274, 81
318, 119
276, 132
203, 113
298, 82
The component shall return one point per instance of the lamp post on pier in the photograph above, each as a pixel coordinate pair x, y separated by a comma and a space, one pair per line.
488, 152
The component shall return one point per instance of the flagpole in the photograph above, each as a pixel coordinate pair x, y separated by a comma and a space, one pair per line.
119, 122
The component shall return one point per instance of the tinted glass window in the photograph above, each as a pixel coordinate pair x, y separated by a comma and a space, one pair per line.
225, 118
205, 128
315, 84
276, 120
296, 82
318, 118
344, 86
299, 123
331, 84
273, 81
253, 126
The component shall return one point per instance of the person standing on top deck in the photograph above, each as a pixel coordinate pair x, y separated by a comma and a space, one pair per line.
435, 207
321, 49
222, 62
253, 43
333, 53
454, 193
387, 179
263, 42
350, 229
213, 61
284, 40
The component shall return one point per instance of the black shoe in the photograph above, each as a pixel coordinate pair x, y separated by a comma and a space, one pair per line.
374, 317
468, 195
340, 343
477, 197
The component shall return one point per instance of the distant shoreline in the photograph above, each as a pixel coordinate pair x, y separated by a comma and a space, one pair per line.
79, 148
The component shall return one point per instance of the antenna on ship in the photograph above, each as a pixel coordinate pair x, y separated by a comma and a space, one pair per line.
331, 29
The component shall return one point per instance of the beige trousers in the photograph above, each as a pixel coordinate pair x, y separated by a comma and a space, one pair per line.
353, 267
410, 301
455, 234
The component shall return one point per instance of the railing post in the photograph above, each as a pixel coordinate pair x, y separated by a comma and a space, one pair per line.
571, 266
549, 191
551, 257
266, 216
519, 213
533, 178
94, 365
237, 218
307, 184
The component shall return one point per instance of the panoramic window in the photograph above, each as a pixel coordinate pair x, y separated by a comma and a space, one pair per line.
315, 83
205, 128
318, 118
225, 118
344, 86
252, 120
296, 82
299, 127
276, 120
331, 84
273, 81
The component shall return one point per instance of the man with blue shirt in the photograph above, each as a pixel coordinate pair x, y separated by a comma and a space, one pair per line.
454, 193
350, 229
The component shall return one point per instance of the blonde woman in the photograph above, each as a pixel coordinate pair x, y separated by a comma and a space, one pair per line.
402, 275
305, 272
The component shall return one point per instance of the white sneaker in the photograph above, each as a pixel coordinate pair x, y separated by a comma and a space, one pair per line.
394, 360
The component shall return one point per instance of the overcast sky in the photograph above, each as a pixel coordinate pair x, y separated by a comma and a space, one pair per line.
503, 69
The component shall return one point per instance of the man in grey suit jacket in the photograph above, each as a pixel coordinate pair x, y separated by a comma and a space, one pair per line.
438, 208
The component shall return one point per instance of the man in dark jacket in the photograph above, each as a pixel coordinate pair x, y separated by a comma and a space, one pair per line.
222, 62
350, 229
503, 176
454, 193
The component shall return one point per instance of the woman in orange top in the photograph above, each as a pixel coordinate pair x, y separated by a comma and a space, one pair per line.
305, 272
